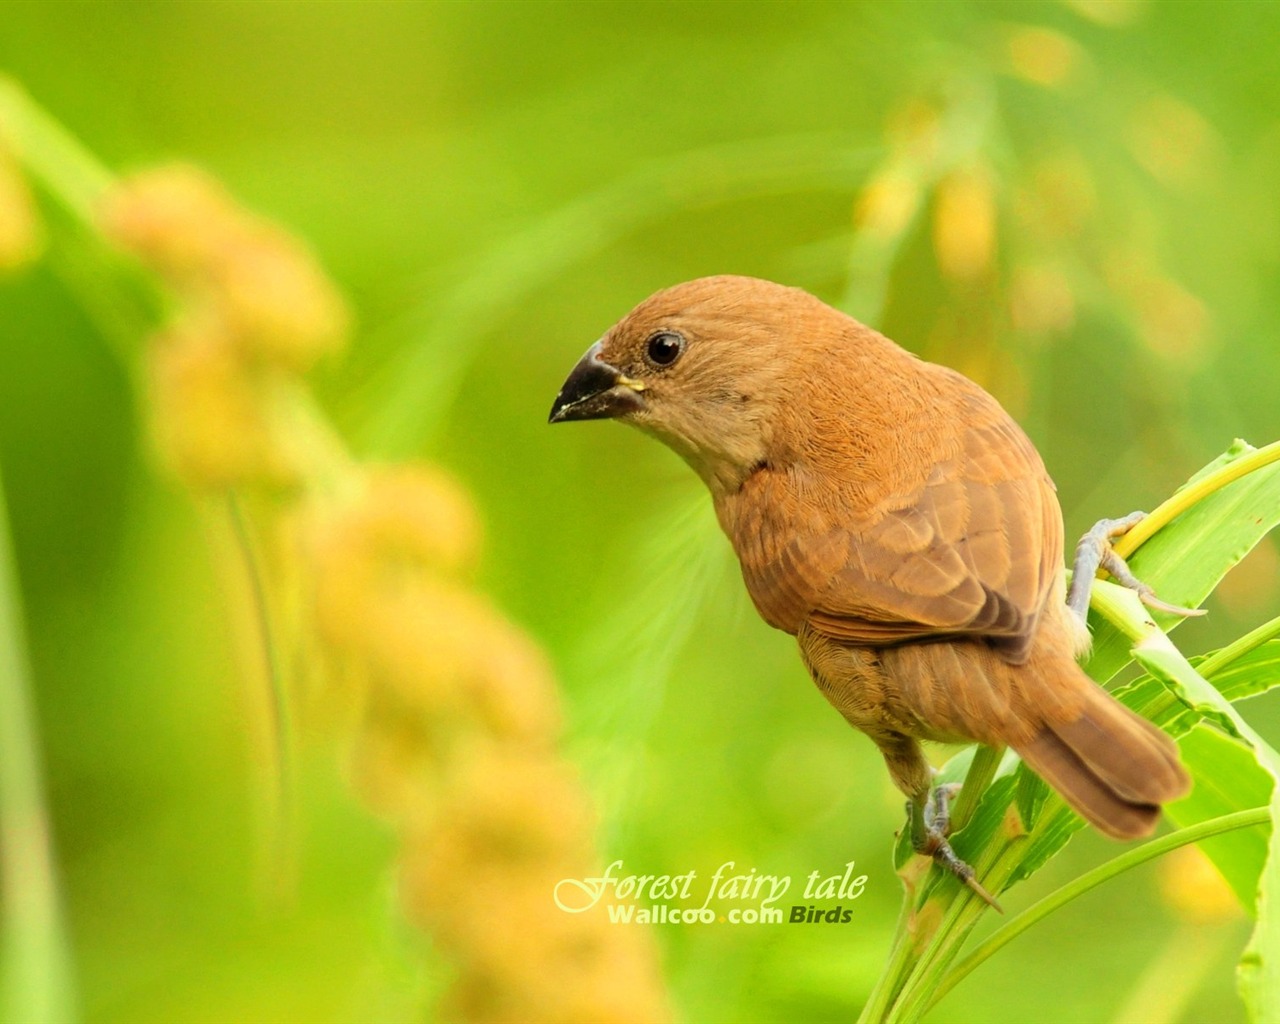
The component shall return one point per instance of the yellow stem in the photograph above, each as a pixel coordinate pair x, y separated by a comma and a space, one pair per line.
1184, 499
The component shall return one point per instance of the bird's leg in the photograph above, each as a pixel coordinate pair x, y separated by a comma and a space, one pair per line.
928, 809
928, 817
937, 812
1094, 551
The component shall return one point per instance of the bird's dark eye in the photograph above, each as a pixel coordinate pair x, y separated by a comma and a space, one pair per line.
665, 348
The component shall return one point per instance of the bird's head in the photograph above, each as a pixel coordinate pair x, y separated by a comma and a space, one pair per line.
704, 366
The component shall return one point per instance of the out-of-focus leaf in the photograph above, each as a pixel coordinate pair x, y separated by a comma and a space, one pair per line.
35, 958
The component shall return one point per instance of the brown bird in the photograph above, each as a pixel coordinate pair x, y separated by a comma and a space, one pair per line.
889, 514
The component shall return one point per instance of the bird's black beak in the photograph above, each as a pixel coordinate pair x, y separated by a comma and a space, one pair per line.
596, 391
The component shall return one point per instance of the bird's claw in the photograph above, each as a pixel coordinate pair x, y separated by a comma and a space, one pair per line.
1095, 552
937, 812
930, 823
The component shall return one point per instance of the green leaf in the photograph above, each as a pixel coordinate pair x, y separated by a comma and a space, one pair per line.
36, 974
1183, 562
1187, 559
1259, 973
1031, 796
1248, 675
1090, 879
987, 819
1056, 824
1227, 778
1165, 662
1251, 674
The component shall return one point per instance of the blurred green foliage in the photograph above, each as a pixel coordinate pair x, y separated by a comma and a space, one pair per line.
493, 185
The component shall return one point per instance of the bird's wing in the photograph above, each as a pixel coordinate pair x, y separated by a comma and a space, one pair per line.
973, 551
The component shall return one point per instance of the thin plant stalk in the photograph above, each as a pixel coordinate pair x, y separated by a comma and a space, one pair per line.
37, 957
1192, 494
1090, 880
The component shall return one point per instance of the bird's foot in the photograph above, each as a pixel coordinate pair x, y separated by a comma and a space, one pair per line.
937, 812
930, 822
1094, 551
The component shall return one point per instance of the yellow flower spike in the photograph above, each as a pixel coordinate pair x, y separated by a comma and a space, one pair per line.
399, 520
511, 825
381, 596
377, 578
443, 648
261, 282
510, 828
276, 300
344, 581
21, 237
212, 417
177, 219
394, 764
418, 513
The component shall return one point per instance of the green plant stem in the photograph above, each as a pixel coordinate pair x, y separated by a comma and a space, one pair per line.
51, 154
1238, 649
895, 971
279, 730
959, 919
37, 962
75, 179
1091, 879
982, 769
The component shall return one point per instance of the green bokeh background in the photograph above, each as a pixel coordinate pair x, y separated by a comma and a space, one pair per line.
492, 185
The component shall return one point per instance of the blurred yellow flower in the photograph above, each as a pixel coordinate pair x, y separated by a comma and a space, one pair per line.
1059, 198
964, 224
509, 828
888, 203
458, 708
1040, 300
1172, 140
177, 219
21, 238
263, 284
213, 417
1171, 321
1192, 887
1042, 55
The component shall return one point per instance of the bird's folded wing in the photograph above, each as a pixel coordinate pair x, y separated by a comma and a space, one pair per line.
973, 551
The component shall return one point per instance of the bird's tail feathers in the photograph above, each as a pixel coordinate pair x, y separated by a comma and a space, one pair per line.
1111, 765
